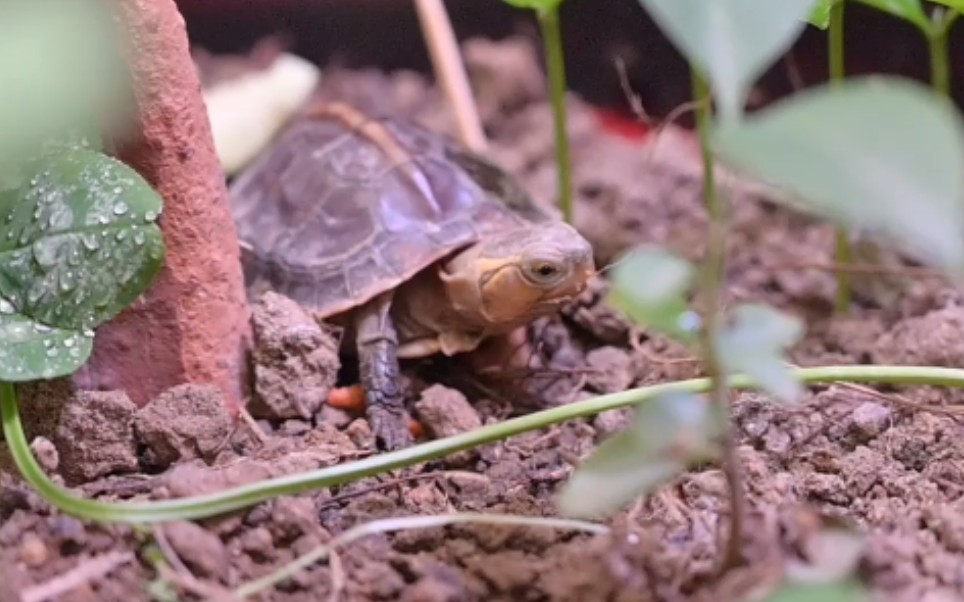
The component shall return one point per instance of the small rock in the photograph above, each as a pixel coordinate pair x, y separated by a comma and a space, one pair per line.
871, 419
333, 416
186, 421
436, 588
933, 339
257, 543
46, 454
296, 360
611, 370
33, 551
445, 412
360, 434
201, 550
777, 442
610, 422
291, 428
95, 436
293, 517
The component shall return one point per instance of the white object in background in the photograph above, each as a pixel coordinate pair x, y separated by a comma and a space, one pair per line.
246, 112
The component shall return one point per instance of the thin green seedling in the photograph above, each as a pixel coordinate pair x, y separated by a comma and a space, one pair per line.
229, 500
829, 15
837, 69
713, 273
547, 13
811, 147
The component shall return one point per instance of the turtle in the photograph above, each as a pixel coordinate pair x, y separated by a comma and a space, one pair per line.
410, 241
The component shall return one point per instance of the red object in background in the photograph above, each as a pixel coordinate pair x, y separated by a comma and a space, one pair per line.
618, 123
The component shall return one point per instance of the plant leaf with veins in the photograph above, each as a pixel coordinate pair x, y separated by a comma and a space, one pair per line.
878, 154
668, 434
754, 344
78, 244
731, 41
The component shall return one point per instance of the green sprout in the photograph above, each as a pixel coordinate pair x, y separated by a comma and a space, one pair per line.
812, 148
829, 15
547, 11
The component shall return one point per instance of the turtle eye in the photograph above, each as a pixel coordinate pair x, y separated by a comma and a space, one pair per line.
541, 271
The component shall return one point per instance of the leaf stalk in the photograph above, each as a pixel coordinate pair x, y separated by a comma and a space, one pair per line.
713, 270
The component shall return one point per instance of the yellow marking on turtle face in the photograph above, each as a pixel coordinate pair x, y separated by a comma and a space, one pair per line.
510, 278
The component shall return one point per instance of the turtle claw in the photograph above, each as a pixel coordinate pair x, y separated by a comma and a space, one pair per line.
390, 427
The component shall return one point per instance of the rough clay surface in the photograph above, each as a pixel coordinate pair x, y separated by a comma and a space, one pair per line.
183, 423
92, 432
295, 360
195, 311
887, 461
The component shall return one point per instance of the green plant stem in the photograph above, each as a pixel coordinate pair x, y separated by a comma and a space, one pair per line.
552, 39
255, 493
844, 250
937, 47
713, 270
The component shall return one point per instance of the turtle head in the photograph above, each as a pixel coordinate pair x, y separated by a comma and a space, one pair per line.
511, 277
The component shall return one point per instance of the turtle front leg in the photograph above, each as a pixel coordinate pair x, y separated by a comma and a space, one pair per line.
377, 344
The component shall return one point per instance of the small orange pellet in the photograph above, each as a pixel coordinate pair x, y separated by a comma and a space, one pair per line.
350, 399
416, 428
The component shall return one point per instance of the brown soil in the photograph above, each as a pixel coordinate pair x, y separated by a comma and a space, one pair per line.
865, 457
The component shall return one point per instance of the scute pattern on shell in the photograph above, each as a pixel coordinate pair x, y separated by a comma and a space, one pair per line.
330, 220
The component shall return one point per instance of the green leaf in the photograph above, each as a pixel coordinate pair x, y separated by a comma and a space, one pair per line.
754, 344
669, 433
30, 350
650, 284
60, 69
540, 6
881, 155
78, 242
820, 15
731, 41
846, 591
908, 10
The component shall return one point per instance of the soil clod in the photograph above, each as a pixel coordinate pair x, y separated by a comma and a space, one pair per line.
296, 360
185, 422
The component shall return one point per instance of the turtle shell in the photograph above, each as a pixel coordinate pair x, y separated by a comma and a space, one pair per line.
343, 207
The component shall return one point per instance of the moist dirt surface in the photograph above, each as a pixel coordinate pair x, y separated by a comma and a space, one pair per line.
886, 462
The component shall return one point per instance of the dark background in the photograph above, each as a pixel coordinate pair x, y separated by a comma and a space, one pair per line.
385, 33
